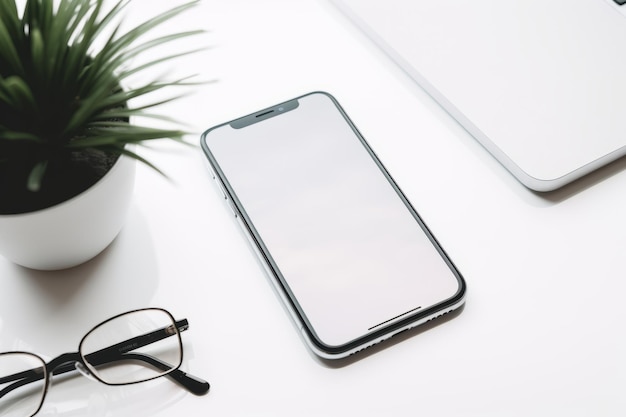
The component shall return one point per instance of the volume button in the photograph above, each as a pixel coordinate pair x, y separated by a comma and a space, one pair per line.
221, 187
232, 206
211, 170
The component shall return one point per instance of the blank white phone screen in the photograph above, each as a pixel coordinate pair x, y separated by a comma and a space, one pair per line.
349, 249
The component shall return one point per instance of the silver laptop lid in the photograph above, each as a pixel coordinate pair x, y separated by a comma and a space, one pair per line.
541, 84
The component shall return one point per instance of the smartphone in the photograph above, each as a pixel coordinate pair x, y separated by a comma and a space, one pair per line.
350, 257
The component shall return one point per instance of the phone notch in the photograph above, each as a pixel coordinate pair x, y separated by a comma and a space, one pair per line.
265, 114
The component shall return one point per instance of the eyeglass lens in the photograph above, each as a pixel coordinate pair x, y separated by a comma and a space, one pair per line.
133, 347
22, 384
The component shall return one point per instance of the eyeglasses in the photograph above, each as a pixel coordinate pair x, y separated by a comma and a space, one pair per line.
132, 347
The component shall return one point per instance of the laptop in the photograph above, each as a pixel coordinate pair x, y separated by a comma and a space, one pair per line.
541, 84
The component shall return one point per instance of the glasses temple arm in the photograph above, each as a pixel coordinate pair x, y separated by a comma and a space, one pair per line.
21, 379
191, 383
136, 342
120, 350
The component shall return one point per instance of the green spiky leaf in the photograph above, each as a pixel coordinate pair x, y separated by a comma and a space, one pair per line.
60, 93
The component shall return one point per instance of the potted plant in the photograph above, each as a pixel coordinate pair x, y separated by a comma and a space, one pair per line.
67, 125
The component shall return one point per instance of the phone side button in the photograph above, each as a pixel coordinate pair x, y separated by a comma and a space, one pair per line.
232, 207
210, 168
221, 187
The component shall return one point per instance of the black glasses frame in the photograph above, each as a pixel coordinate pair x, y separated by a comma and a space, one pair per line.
76, 361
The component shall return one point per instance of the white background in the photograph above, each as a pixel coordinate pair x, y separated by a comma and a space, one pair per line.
542, 330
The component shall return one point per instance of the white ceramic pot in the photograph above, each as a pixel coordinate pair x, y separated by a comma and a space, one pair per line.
74, 231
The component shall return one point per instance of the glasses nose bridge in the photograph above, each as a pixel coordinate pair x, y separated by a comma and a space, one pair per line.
63, 363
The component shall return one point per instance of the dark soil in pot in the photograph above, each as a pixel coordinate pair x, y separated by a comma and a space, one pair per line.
65, 178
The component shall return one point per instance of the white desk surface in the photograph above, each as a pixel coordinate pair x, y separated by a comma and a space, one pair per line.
542, 332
